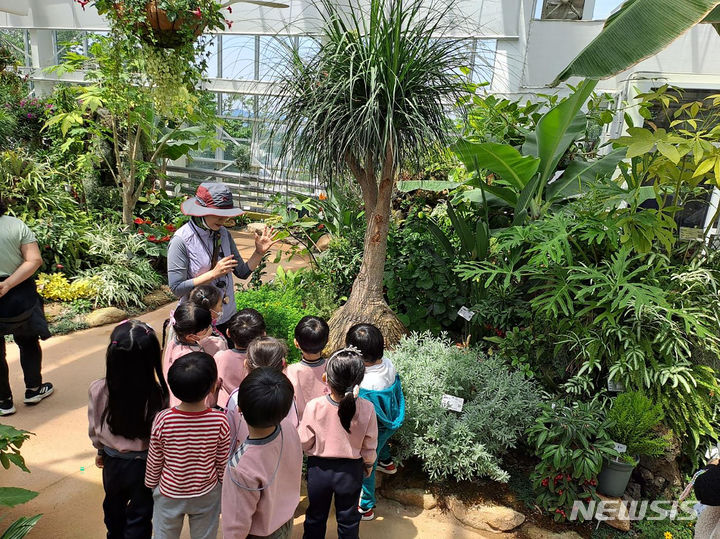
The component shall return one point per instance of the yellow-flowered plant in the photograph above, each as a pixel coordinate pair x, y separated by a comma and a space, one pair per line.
668, 535
57, 287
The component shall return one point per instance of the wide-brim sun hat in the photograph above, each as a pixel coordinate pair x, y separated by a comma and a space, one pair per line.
211, 199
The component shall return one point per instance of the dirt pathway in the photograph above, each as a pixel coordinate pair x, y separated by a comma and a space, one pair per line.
61, 458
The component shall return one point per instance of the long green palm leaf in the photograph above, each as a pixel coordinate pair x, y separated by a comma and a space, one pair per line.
640, 29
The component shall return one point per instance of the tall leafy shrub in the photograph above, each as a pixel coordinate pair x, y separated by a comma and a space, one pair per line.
499, 405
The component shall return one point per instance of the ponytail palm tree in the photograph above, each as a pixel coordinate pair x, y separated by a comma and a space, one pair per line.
370, 99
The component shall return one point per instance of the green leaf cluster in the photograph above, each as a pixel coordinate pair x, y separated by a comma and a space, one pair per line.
633, 419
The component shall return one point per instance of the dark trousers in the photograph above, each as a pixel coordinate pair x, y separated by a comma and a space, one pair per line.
128, 503
325, 478
30, 360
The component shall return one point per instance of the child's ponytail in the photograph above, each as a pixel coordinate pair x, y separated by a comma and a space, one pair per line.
345, 370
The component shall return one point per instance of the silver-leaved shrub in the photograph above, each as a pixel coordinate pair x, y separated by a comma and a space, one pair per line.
499, 405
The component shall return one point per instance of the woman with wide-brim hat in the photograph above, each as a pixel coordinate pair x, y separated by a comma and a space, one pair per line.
203, 252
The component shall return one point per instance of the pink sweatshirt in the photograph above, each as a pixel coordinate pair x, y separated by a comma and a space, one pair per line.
262, 485
99, 431
306, 378
238, 426
231, 371
175, 349
322, 435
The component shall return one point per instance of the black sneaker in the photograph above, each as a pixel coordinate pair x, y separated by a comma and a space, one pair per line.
6, 407
33, 396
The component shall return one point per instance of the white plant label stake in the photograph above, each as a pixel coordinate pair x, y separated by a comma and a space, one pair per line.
450, 402
466, 313
620, 448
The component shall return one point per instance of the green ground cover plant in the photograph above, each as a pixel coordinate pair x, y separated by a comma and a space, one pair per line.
499, 405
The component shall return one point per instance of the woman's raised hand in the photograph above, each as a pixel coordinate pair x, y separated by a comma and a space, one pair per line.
264, 240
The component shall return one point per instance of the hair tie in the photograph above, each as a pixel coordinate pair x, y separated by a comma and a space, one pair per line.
172, 318
114, 342
354, 391
123, 322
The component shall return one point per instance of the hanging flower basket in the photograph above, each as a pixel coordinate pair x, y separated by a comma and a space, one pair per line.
170, 34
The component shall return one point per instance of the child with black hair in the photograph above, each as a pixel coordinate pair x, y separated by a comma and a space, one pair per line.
121, 410
263, 352
206, 296
381, 386
189, 446
338, 432
311, 337
192, 326
262, 486
244, 326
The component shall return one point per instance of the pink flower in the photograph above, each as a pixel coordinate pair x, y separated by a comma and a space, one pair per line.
30, 115
228, 23
22, 102
197, 12
60, 266
229, 9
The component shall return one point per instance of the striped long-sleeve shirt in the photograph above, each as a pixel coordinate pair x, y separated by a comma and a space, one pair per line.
188, 452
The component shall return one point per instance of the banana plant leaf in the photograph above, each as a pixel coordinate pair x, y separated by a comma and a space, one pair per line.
579, 173
513, 168
557, 129
638, 30
427, 185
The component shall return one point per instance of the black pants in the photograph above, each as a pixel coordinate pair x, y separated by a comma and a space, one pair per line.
128, 503
30, 360
343, 478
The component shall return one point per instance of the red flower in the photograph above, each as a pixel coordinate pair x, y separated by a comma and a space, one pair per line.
152, 238
141, 232
170, 227
545, 482
229, 9
321, 226
197, 12
138, 221
560, 491
228, 23
147, 222
60, 266
165, 238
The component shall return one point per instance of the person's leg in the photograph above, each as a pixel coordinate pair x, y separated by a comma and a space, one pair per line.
347, 483
320, 491
168, 516
5, 392
139, 512
116, 497
283, 532
367, 498
30, 360
204, 514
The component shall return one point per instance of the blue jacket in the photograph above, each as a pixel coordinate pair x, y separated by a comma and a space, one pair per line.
389, 404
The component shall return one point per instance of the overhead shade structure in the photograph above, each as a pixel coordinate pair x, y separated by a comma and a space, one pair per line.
15, 7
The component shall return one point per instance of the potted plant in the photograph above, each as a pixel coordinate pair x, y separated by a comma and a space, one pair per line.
633, 420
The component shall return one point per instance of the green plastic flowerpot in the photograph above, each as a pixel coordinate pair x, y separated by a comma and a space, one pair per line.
614, 477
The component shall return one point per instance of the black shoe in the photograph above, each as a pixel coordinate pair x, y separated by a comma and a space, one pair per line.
6, 407
33, 396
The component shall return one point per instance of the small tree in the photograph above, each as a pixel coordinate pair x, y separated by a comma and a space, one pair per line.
370, 99
118, 108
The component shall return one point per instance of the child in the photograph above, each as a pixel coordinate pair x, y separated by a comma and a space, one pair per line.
188, 450
206, 296
339, 434
193, 333
311, 336
381, 386
262, 486
262, 352
121, 410
243, 327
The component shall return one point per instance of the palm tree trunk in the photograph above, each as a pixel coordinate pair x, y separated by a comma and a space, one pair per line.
366, 303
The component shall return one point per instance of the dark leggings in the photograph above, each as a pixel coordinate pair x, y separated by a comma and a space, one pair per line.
30, 360
341, 478
128, 503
